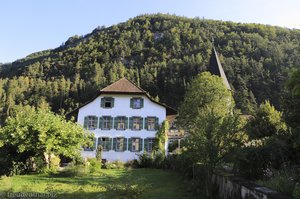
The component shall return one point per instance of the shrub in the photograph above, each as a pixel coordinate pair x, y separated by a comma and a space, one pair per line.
282, 181
114, 165
99, 153
94, 165
145, 160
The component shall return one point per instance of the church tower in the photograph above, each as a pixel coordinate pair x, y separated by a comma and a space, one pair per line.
215, 67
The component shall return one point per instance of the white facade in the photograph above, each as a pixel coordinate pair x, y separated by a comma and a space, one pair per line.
121, 107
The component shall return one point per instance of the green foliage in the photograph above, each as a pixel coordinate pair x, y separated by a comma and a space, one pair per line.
156, 159
114, 165
214, 128
268, 144
283, 181
40, 133
291, 106
99, 151
161, 137
266, 121
162, 54
73, 171
207, 114
94, 165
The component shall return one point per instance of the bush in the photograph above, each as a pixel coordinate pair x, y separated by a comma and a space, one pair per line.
296, 192
94, 165
145, 160
283, 181
156, 159
114, 165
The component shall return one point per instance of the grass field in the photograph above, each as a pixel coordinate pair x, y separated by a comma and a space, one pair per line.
109, 183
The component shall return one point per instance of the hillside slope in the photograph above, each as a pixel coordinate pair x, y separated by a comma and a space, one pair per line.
161, 53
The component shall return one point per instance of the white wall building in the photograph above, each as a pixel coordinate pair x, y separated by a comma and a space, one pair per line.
124, 119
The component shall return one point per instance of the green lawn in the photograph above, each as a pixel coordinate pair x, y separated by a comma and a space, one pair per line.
109, 183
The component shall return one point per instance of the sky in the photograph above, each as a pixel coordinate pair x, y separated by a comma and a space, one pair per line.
28, 26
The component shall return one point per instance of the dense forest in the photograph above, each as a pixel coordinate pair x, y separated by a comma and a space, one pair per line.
161, 53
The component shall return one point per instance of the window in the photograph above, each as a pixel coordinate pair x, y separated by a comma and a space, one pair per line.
136, 123
136, 103
90, 122
151, 123
107, 102
120, 144
135, 144
121, 123
106, 122
148, 144
105, 142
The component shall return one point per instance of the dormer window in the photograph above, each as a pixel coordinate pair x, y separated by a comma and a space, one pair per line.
107, 102
136, 102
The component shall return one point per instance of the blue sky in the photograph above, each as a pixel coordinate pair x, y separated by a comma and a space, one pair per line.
29, 26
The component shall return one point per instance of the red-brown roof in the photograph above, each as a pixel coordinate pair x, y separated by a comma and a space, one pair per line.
122, 86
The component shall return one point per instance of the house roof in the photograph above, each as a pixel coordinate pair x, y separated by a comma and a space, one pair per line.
215, 68
124, 86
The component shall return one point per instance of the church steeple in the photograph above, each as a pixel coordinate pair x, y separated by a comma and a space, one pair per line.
215, 67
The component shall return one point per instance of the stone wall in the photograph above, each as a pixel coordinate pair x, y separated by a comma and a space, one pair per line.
238, 188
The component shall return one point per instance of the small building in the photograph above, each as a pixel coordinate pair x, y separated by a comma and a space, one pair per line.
124, 119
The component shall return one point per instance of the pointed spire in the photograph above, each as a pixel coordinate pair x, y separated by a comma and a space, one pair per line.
215, 67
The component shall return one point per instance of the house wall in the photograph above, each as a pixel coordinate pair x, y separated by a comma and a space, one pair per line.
121, 108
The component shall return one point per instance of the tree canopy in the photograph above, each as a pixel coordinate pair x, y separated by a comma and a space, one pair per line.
39, 133
162, 54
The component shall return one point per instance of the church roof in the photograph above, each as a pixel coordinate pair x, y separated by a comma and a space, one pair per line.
122, 86
215, 67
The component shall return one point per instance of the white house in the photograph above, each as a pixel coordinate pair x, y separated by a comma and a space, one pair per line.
124, 119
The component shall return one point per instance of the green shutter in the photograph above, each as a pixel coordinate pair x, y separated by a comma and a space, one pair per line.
146, 123
142, 102
156, 123
146, 144
115, 122
96, 122
125, 144
131, 103
126, 122
115, 144
129, 144
94, 144
112, 102
141, 123
109, 143
111, 121
100, 122
131, 123
85, 123
140, 144
102, 102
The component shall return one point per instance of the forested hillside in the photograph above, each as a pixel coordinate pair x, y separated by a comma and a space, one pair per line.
161, 53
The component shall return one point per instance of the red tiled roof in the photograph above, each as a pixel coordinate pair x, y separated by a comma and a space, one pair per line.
124, 86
